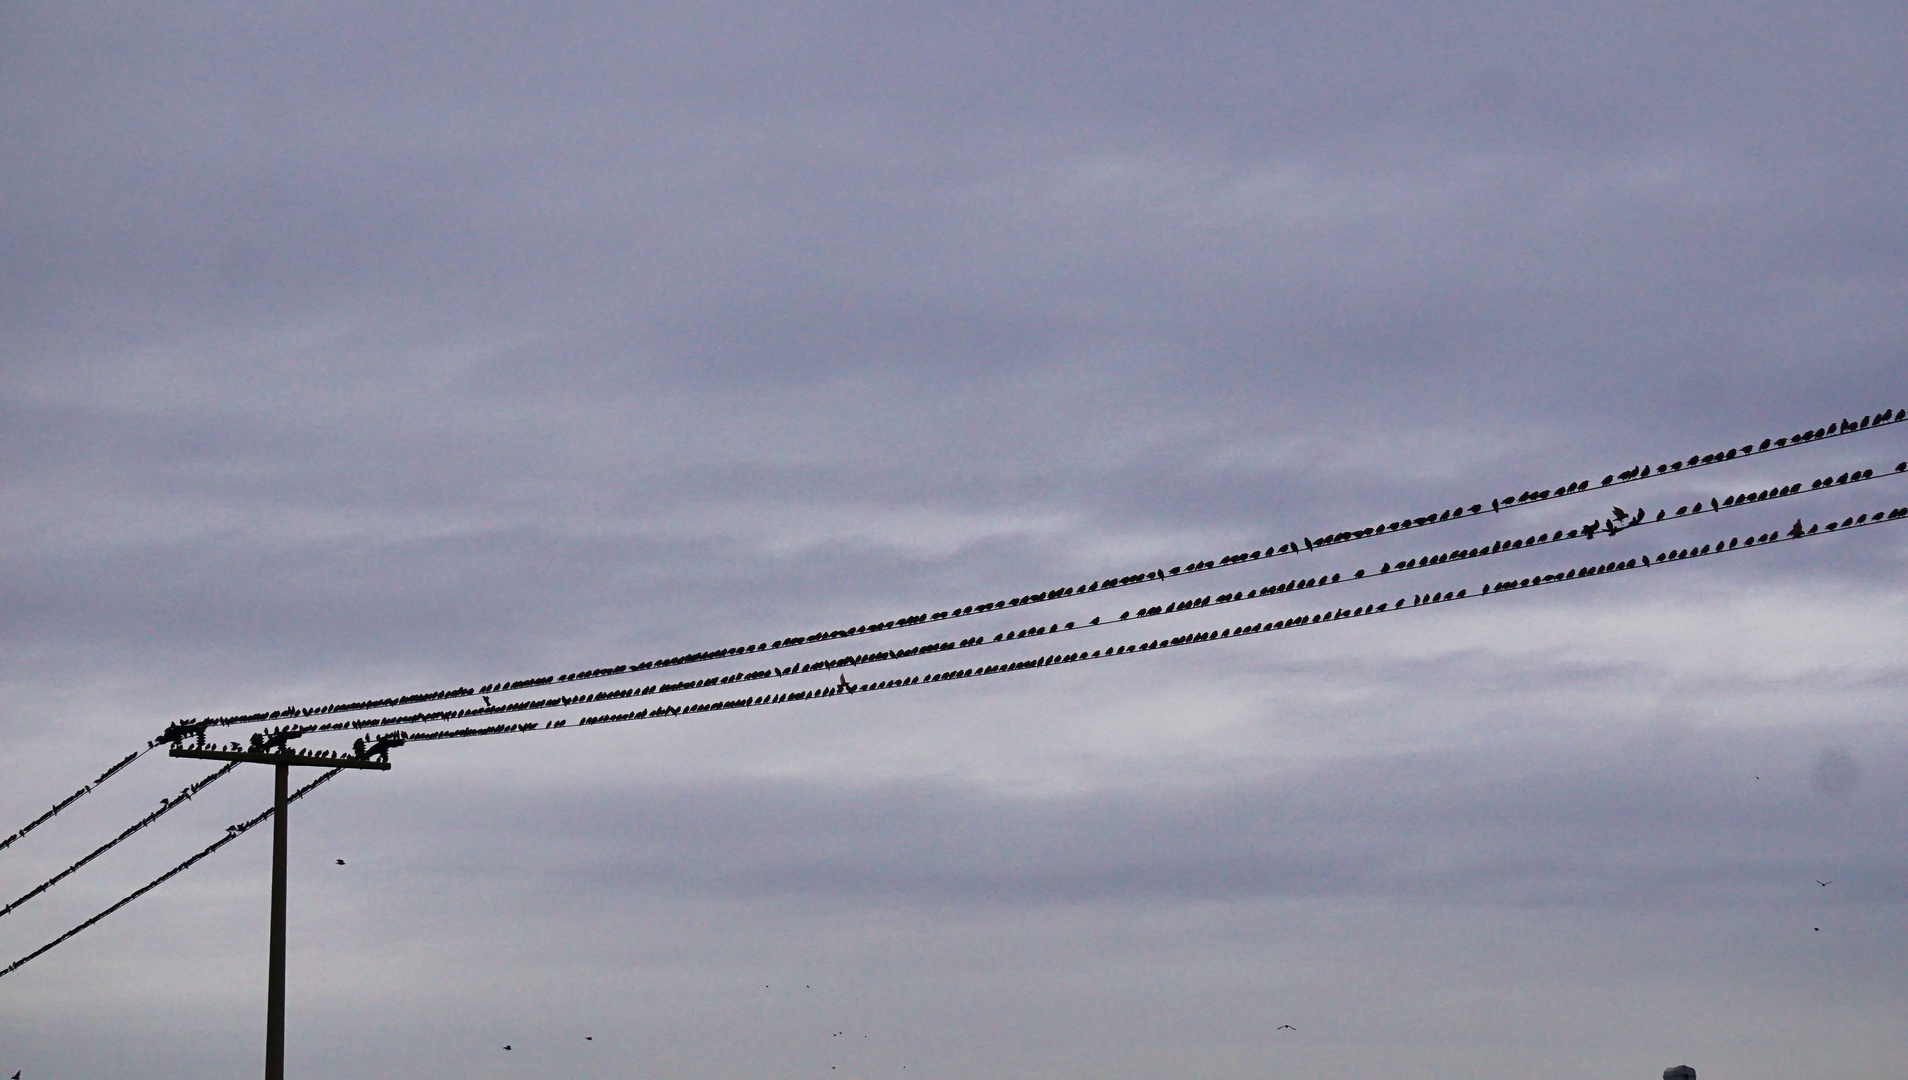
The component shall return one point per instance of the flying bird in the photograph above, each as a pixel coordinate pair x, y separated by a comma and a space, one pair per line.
340, 862
486, 699
506, 1046
1621, 514
1824, 884
1285, 1027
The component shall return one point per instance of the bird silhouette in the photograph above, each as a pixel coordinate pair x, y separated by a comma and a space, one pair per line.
506, 1046
1621, 514
486, 699
1285, 1027
340, 862
589, 1038
1824, 884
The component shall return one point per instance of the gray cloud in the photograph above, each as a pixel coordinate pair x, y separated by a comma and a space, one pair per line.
365, 349
1836, 772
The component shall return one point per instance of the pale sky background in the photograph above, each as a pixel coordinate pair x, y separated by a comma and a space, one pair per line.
352, 350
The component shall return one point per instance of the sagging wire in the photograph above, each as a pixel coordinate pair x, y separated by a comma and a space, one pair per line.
232, 832
1631, 475
165, 807
1498, 547
1727, 545
76, 796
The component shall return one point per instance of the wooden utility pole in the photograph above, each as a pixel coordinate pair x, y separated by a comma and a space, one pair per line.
271, 749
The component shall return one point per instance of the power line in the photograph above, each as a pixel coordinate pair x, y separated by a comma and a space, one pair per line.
165, 807
1635, 474
75, 797
1729, 545
232, 832
1408, 565
1725, 546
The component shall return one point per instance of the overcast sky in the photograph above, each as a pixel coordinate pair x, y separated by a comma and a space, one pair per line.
353, 350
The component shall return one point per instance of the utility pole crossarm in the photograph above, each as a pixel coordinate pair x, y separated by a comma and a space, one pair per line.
280, 757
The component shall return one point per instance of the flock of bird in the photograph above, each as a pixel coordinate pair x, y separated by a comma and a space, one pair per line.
1631, 475
1621, 521
844, 686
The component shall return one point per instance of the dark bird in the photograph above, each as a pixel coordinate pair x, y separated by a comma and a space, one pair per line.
589, 1038
486, 699
506, 1046
1285, 1027
340, 862
844, 681
1824, 884
1621, 514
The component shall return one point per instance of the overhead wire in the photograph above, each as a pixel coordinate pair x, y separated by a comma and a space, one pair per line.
1727, 545
75, 797
1634, 474
1322, 581
166, 806
232, 832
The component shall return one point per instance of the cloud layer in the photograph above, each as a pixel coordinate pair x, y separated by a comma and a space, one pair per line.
351, 351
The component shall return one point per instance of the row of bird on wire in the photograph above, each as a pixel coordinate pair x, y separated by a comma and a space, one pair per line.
1305, 543
1590, 530
1620, 522
232, 832
1725, 545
